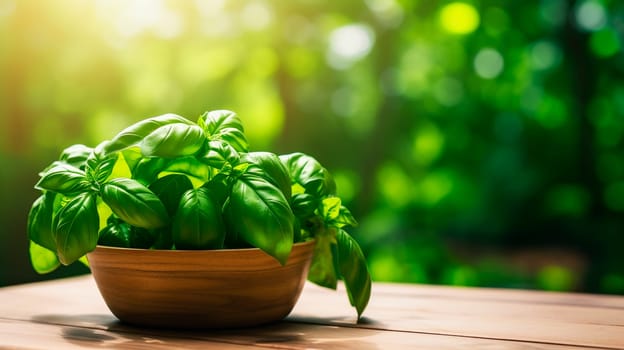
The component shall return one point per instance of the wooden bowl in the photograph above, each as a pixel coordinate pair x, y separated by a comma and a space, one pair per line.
199, 289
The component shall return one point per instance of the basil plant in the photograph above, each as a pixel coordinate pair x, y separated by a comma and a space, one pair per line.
169, 183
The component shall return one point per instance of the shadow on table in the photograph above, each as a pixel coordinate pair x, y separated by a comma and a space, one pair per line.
106, 331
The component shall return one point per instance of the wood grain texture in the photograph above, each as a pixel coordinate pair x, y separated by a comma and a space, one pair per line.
70, 313
199, 289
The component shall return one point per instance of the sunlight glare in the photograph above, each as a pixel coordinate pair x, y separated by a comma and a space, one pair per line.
349, 44
459, 18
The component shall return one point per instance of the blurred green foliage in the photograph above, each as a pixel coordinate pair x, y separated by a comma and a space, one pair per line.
478, 142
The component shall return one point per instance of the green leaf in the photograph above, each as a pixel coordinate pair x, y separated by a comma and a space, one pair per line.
219, 154
198, 223
63, 178
173, 140
169, 189
134, 203
147, 170
352, 266
40, 221
262, 215
309, 173
76, 228
345, 218
136, 132
224, 125
43, 260
99, 166
190, 166
322, 269
303, 205
331, 208
120, 234
270, 167
76, 155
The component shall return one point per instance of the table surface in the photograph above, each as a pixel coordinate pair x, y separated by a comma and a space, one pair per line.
70, 314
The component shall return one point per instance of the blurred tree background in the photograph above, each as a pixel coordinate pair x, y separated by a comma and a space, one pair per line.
478, 142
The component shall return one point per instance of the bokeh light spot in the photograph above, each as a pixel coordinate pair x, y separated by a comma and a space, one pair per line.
427, 144
256, 16
604, 43
545, 55
394, 184
348, 44
448, 91
459, 18
488, 63
591, 15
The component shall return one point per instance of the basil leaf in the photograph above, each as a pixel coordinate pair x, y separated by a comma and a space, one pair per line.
63, 178
198, 223
270, 166
99, 166
40, 221
190, 166
136, 132
262, 215
352, 266
322, 268
173, 140
76, 155
224, 125
169, 189
134, 203
345, 218
303, 205
76, 228
233, 239
120, 234
331, 208
146, 170
310, 174
219, 154
42, 259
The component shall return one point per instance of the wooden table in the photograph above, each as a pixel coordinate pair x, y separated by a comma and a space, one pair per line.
70, 314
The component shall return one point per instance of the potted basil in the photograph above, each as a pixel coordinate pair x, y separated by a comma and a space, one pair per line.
183, 226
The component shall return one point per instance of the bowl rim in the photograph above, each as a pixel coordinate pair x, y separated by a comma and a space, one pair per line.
100, 247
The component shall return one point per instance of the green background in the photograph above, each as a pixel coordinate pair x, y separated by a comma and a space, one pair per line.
478, 143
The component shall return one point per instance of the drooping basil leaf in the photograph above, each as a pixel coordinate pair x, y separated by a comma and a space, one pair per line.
170, 189
309, 173
40, 221
134, 203
173, 140
224, 125
262, 215
271, 167
76, 155
136, 132
220, 153
352, 266
198, 223
63, 178
322, 269
43, 260
76, 228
